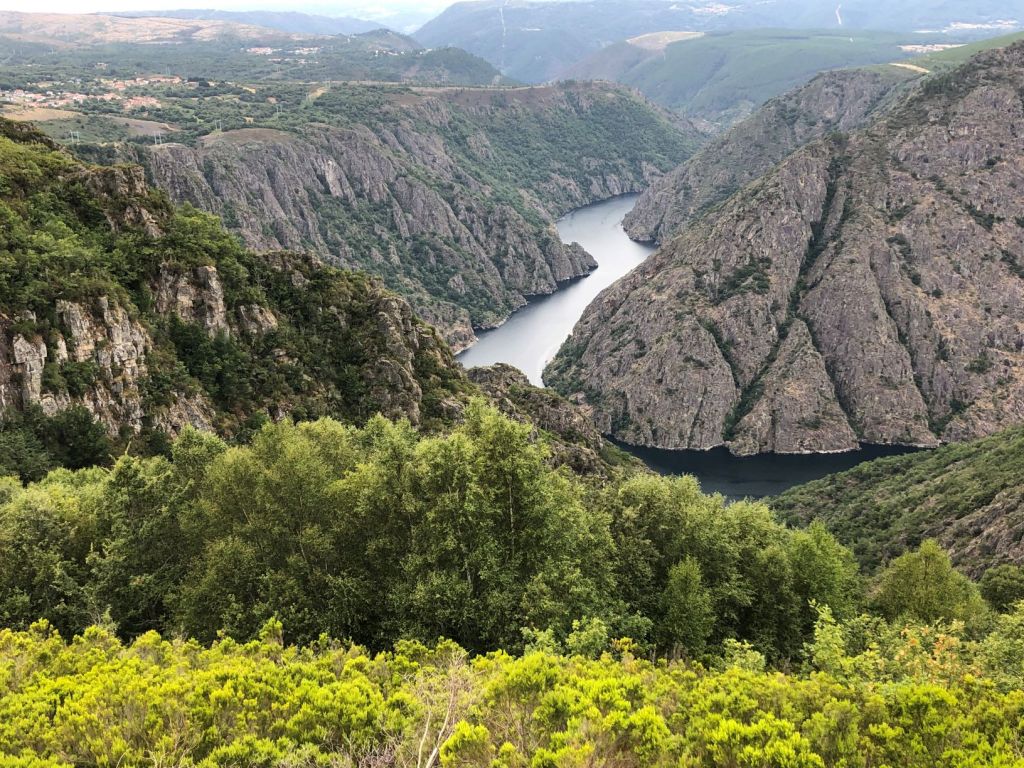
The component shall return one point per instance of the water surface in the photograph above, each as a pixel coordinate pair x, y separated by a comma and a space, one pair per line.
532, 336
756, 477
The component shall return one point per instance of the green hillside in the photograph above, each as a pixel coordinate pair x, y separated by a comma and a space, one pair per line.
954, 57
254, 515
721, 76
154, 317
968, 496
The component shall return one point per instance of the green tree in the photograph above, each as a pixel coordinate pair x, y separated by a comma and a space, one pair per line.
1002, 586
688, 616
23, 454
923, 586
1002, 651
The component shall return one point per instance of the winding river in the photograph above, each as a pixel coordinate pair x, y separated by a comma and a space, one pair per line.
532, 336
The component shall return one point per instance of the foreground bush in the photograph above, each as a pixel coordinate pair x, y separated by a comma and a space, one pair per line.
914, 697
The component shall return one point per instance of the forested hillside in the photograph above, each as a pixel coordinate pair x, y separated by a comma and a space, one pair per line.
253, 514
382, 534
970, 497
116, 304
535, 40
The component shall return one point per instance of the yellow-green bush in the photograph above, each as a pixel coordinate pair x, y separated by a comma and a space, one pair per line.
918, 697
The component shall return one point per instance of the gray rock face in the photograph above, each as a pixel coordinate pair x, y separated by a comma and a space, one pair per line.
104, 339
796, 410
865, 289
255, 320
193, 297
463, 230
833, 101
284, 192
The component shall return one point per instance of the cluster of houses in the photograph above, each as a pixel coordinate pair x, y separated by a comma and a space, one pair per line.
71, 94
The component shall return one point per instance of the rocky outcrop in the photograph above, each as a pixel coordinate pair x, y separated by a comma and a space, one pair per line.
256, 320
194, 296
107, 337
122, 194
900, 251
96, 358
833, 101
431, 192
573, 439
796, 409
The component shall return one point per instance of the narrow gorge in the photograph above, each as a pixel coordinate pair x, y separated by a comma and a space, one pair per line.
448, 195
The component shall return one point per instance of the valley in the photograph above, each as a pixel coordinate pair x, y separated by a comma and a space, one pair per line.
531, 337
628, 383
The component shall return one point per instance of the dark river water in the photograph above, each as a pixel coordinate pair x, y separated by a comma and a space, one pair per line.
532, 336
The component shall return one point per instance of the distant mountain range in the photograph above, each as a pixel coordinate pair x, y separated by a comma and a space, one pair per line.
536, 41
720, 77
70, 45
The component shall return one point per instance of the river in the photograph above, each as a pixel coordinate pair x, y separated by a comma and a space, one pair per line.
532, 336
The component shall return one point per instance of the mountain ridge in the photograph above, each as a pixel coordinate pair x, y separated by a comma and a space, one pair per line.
284, 21
449, 194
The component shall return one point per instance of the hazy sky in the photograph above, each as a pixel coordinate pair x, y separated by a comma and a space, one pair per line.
366, 10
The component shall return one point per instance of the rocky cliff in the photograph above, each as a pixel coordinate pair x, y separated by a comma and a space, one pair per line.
152, 318
449, 195
870, 287
573, 439
834, 101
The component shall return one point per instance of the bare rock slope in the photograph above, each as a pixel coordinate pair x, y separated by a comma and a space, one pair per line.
842, 100
449, 195
870, 287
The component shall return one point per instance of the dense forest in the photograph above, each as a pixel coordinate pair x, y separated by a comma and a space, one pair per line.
379, 534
